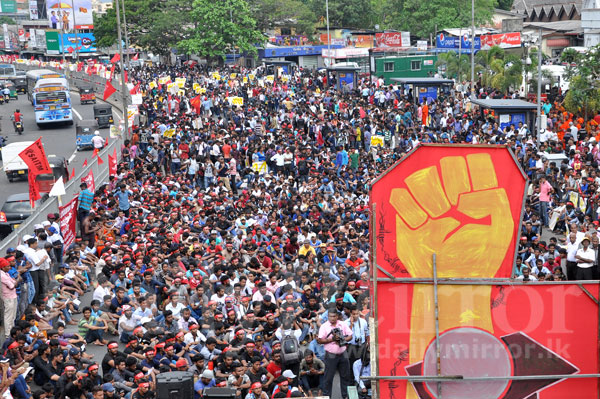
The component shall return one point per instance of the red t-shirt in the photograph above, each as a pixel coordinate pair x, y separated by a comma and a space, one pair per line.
274, 369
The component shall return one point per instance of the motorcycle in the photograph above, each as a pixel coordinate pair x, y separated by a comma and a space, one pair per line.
1, 99
6, 98
19, 127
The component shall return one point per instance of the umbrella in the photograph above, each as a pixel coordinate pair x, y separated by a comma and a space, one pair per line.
190, 63
61, 5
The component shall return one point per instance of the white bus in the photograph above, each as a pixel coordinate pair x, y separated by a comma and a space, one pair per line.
34, 75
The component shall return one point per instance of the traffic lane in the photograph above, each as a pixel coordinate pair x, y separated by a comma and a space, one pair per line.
58, 139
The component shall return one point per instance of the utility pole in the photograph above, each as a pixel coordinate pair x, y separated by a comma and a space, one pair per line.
126, 34
472, 48
460, 40
124, 91
539, 91
328, 36
75, 29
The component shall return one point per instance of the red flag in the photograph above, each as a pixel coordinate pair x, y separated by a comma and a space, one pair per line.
32, 58
100, 161
116, 58
79, 66
84, 163
95, 153
109, 90
89, 180
126, 77
70, 49
320, 140
68, 222
112, 165
34, 192
89, 71
35, 158
135, 89
72, 174
195, 102
135, 57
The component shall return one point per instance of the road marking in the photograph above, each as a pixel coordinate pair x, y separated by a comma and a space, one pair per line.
72, 157
77, 113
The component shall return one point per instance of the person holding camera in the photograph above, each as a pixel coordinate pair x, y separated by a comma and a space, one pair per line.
334, 335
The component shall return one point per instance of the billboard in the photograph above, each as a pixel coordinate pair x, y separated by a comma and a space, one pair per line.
393, 39
445, 224
363, 41
8, 6
503, 40
52, 42
82, 42
444, 41
66, 15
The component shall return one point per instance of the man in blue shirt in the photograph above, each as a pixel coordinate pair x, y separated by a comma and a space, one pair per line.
122, 197
207, 380
86, 197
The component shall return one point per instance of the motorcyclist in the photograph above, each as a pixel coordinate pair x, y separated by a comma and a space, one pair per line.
17, 117
6, 93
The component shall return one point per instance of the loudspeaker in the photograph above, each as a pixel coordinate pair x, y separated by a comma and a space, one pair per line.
175, 384
218, 393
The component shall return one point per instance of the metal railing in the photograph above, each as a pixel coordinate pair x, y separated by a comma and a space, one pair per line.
101, 171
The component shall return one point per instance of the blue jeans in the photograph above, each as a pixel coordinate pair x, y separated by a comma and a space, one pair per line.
544, 213
21, 386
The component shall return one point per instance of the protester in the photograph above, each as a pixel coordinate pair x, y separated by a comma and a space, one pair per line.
230, 234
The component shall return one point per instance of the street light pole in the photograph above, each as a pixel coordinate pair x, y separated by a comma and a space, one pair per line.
124, 91
125, 28
75, 29
328, 35
472, 48
539, 91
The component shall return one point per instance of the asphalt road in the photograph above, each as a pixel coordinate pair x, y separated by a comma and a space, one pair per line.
58, 140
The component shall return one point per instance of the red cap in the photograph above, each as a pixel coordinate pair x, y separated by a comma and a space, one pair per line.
181, 363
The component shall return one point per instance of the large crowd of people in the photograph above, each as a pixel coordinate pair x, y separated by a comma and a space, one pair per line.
233, 241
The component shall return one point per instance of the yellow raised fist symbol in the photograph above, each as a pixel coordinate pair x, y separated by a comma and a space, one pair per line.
457, 211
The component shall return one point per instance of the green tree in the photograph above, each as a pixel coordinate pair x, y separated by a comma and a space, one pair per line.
583, 96
498, 69
453, 65
7, 20
154, 25
346, 13
293, 13
421, 17
219, 27
505, 4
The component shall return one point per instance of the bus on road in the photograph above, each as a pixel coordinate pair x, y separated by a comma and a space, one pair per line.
52, 104
7, 71
35, 75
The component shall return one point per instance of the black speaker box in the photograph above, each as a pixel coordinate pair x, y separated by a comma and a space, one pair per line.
219, 393
175, 384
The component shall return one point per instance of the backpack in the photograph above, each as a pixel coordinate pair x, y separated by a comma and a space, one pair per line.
290, 350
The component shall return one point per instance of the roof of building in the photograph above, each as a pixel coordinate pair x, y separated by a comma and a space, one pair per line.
504, 104
571, 26
530, 7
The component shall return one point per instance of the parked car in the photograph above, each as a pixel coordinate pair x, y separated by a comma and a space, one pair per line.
17, 208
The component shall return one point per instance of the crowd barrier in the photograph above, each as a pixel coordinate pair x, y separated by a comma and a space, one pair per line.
100, 171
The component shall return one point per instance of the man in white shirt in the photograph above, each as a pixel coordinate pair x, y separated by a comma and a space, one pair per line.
98, 141
572, 247
31, 254
586, 257
526, 276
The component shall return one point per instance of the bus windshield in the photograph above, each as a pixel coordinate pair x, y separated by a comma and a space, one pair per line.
48, 98
7, 70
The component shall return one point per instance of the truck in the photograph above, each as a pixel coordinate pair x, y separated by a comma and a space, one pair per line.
14, 167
